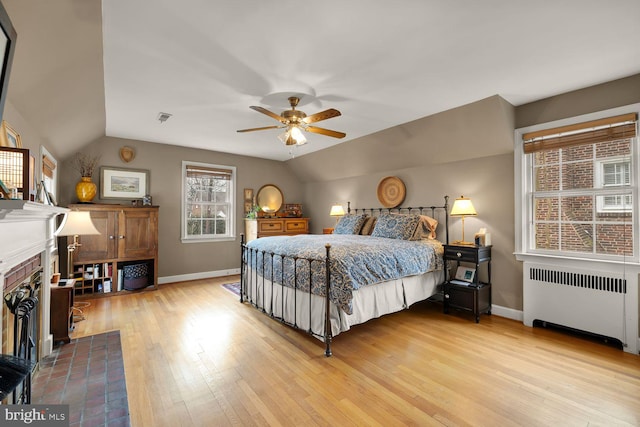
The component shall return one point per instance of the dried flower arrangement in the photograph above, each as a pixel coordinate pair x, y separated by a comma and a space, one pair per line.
85, 164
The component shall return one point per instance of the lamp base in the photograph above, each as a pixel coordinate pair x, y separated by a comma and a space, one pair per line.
463, 243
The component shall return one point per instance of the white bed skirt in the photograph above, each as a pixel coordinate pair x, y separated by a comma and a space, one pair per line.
369, 302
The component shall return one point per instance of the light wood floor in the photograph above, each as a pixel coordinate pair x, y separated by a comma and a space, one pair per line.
194, 356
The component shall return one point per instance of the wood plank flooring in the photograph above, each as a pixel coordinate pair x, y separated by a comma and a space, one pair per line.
195, 356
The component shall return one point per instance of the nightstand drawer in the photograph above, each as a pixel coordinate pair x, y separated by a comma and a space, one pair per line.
473, 254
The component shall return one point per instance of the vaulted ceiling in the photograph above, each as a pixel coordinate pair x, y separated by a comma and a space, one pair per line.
86, 68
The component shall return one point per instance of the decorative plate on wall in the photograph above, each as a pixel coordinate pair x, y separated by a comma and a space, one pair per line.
127, 154
391, 191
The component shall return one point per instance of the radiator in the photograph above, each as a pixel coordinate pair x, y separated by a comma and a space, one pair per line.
601, 302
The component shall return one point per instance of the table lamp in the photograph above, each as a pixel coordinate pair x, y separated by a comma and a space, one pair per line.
75, 223
463, 207
337, 211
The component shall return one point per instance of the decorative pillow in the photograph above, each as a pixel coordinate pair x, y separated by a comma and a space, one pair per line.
349, 224
395, 226
367, 227
426, 228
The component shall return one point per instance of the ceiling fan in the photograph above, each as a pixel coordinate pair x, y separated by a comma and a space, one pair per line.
295, 121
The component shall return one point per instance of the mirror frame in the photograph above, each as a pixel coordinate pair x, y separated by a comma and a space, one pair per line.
268, 187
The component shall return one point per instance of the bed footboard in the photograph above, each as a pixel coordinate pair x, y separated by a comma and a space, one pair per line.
264, 292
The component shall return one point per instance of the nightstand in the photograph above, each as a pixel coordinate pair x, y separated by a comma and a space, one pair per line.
476, 295
327, 231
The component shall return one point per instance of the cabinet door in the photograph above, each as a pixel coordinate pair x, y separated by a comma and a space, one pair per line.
102, 246
138, 234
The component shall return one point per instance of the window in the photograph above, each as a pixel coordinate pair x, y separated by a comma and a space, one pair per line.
208, 202
614, 173
49, 177
579, 189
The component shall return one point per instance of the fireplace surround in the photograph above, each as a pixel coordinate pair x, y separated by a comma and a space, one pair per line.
27, 247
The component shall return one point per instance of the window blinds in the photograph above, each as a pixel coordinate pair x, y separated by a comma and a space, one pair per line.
48, 166
194, 171
608, 129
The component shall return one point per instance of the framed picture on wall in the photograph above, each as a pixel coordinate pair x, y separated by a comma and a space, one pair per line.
248, 199
121, 183
9, 137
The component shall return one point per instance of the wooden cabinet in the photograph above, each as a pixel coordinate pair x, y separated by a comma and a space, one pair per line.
61, 319
128, 236
282, 226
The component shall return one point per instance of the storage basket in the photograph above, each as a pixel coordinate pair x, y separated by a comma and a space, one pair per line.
136, 276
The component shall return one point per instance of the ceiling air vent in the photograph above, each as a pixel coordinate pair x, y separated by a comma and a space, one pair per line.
163, 117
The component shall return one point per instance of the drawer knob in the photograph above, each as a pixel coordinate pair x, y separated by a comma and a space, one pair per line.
458, 254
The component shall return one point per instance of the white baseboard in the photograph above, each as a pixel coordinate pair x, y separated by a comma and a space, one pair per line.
198, 276
509, 313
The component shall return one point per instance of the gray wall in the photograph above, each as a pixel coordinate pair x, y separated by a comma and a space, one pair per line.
164, 163
601, 97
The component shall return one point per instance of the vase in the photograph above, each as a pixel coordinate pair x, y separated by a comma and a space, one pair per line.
86, 189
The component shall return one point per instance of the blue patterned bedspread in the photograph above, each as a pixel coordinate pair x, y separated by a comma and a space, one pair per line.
356, 261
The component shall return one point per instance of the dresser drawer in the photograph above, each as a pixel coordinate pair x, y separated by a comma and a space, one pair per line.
282, 226
271, 226
296, 225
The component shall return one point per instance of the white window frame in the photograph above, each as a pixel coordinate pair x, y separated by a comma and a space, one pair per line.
231, 235
524, 233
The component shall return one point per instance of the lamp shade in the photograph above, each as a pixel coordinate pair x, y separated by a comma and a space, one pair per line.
292, 136
77, 223
463, 207
337, 210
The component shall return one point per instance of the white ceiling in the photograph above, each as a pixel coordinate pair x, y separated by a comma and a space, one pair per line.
381, 63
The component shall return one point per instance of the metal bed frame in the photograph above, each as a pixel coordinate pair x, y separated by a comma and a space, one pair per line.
249, 283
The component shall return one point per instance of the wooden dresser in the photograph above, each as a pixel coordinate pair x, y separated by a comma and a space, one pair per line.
282, 226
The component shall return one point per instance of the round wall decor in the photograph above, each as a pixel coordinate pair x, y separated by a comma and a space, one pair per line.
391, 191
127, 154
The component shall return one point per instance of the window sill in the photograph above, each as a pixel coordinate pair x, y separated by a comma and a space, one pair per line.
209, 240
536, 257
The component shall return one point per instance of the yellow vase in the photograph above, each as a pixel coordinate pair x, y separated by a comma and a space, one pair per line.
86, 189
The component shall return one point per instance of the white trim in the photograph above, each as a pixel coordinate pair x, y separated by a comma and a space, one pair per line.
198, 276
507, 312
232, 205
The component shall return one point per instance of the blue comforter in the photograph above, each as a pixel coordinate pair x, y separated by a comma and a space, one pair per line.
356, 261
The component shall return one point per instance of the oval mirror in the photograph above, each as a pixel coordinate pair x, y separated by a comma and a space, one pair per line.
269, 198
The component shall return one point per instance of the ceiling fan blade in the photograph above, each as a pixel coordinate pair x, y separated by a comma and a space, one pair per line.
323, 115
268, 113
262, 128
326, 132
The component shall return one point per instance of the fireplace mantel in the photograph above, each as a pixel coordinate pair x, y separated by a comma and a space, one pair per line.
23, 210
27, 229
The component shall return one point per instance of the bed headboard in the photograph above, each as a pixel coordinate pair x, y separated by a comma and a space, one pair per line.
432, 211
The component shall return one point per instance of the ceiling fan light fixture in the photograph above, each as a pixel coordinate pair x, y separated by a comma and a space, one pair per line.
296, 121
292, 136
298, 136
